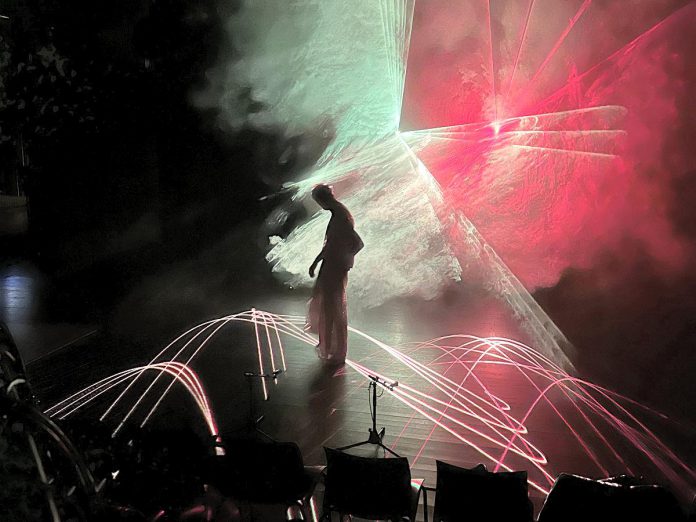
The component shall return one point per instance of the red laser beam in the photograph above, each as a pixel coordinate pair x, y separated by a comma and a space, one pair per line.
557, 45
470, 409
519, 48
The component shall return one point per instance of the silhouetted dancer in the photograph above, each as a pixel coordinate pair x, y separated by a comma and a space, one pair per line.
327, 315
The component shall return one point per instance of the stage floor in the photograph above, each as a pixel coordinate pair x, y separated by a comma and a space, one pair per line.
458, 400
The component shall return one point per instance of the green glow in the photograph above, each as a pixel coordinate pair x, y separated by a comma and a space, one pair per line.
319, 62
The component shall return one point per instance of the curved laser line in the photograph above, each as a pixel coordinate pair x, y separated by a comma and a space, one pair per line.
468, 409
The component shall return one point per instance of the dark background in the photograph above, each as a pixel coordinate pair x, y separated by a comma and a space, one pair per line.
99, 129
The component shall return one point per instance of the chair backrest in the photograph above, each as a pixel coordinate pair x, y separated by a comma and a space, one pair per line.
371, 488
477, 494
263, 472
575, 499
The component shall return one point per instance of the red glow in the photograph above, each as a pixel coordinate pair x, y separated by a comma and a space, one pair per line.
551, 192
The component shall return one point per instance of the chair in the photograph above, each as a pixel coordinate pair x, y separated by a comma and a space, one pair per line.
477, 494
264, 472
575, 499
370, 488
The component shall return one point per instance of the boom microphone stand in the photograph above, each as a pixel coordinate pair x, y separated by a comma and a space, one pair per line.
252, 420
375, 436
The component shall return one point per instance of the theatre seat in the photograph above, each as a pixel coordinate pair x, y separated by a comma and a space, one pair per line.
369, 488
264, 472
576, 499
477, 494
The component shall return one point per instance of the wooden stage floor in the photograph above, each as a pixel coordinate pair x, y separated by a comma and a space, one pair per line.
445, 407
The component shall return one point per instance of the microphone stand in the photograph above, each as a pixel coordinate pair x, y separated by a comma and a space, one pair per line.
375, 437
252, 420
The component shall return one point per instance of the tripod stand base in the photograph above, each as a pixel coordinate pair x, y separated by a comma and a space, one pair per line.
375, 439
251, 430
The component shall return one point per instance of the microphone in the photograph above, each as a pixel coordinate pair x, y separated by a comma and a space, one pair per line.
389, 385
274, 374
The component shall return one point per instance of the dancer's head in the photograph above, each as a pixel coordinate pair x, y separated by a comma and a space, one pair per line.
323, 195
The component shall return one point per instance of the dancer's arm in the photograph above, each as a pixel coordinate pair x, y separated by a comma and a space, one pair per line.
316, 262
320, 257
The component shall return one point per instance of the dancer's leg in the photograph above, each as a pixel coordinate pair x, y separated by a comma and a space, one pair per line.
341, 320
329, 320
340, 323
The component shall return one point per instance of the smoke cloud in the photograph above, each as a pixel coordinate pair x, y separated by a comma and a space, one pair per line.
545, 211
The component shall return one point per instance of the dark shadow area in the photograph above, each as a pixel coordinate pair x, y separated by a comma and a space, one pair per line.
628, 314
